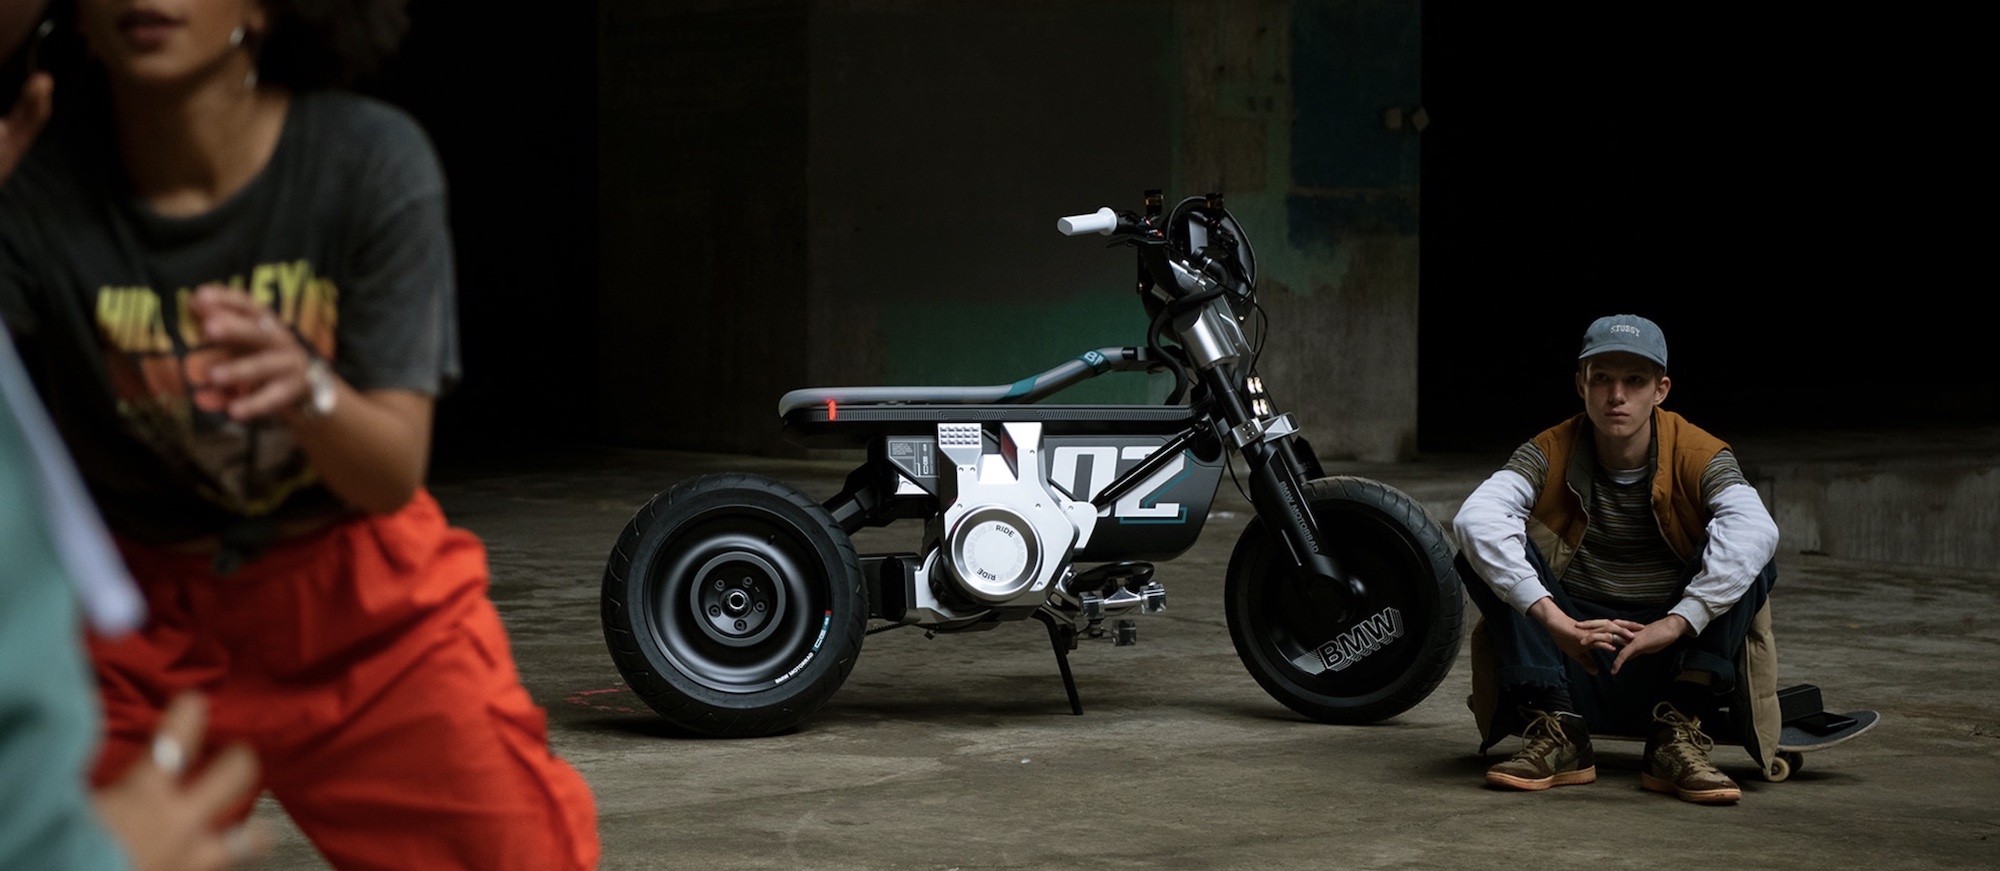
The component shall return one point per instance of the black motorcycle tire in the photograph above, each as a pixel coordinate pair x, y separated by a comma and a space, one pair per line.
1380, 535
733, 605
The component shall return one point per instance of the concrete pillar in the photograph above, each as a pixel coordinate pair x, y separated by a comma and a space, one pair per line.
1305, 114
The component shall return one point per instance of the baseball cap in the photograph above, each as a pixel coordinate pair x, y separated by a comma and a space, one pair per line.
1629, 333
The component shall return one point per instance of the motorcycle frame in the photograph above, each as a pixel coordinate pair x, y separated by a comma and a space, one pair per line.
1198, 305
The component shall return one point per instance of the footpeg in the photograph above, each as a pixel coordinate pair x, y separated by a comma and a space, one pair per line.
1093, 606
1117, 588
1112, 576
1151, 599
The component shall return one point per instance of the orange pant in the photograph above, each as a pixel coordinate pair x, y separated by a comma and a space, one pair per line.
369, 671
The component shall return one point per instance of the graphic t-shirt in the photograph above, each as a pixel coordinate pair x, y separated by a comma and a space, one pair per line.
342, 234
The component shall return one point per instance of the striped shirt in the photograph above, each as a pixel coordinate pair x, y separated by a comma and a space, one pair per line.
1623, 558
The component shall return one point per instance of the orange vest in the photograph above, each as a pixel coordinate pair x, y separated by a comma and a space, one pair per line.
1681, 453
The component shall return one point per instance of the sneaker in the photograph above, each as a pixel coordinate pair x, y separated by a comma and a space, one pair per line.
1555, 751
1677, 761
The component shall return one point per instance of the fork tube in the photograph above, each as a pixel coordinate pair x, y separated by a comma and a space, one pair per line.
1275, 475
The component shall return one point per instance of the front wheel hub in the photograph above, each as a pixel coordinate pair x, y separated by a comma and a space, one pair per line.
738, 598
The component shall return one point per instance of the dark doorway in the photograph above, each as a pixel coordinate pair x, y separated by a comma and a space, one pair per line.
1775, 189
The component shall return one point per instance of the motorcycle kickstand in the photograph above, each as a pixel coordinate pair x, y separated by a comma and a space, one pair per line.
1063, 639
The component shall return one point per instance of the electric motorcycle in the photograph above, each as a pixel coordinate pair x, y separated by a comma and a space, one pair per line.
735, 604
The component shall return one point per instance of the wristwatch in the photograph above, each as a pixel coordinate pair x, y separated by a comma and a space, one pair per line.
320, 389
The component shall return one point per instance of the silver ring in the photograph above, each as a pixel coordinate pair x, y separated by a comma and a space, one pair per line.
169, 755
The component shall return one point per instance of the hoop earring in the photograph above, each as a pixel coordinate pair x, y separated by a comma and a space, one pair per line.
237, 39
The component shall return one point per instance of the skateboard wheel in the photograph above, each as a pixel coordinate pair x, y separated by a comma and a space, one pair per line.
1784, 765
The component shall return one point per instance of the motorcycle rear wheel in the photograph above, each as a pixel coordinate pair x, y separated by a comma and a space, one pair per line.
733, 605
1398, 644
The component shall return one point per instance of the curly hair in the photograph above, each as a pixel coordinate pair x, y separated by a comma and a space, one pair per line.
310, 44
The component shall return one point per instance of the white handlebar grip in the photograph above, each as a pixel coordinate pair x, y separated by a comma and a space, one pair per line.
1101, 222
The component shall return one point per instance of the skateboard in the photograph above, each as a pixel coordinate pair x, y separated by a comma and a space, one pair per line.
1806, 726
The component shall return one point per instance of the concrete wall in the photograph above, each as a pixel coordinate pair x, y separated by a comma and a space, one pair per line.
1769, 199
670, 213
865, 191
1923, 498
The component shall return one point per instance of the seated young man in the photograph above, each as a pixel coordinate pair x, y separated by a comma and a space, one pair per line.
1618, 559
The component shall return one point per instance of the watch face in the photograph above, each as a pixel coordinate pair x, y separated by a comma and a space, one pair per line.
319, 380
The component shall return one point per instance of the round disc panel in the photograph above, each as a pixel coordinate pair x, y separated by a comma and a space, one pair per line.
995, 553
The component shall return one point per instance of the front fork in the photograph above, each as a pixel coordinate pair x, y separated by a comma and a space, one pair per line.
1277, 478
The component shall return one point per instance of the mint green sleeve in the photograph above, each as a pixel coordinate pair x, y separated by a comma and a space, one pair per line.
48, 707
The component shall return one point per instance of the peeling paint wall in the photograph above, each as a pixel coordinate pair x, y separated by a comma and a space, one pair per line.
1303, 113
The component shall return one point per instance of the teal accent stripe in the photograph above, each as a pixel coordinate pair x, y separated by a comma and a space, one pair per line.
1021, 387
923, 345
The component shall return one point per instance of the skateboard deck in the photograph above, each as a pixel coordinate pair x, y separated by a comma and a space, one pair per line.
1824, 730
1807, 726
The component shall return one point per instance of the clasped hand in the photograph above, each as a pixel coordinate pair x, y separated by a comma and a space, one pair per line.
261, 370
1625, 638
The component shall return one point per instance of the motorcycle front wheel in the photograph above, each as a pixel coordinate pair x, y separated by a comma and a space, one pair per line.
1358, 664
733, 605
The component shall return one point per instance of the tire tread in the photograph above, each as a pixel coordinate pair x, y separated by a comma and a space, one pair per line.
692, 715
1445, 632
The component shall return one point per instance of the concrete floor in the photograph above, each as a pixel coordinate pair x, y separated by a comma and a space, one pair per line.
960, 752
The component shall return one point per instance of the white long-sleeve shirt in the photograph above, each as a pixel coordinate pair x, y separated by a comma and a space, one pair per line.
1491, 528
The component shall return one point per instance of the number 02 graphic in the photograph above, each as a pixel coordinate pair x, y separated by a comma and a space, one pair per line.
1142, 505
